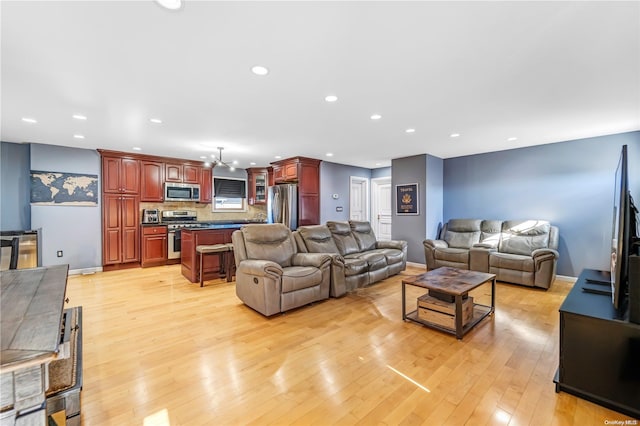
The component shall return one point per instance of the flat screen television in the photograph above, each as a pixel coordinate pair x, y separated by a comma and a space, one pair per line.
621, 234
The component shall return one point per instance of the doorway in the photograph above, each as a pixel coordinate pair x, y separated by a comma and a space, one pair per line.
358, 198
381, 199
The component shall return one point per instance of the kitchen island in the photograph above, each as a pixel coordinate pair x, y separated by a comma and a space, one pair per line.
215, 233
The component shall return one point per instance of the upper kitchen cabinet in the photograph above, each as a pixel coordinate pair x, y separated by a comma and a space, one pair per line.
120, 175
182, 173
306, 173
258, 183
152, 181
205, 184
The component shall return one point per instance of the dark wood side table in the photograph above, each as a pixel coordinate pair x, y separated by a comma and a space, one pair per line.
457, 283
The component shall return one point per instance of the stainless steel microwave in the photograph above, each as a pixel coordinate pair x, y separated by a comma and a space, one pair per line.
181, 192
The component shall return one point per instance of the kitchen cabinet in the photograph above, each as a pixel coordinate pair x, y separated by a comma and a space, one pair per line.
306, 173
258, 183
205, 184
120, 175
120, 225
151, 181
154, 245
182, 173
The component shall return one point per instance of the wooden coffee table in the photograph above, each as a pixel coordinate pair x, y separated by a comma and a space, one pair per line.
453, 282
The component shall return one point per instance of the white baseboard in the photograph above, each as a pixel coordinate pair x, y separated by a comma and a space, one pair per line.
566, 278
85, 271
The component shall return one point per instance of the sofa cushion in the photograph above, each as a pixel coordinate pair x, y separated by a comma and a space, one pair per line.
344, 239
355, 266
511, 261
452, 255
524, 236
392, 256
462, 233
299, 277
374, 260
363, 234
318, 239
490, 232
269, 242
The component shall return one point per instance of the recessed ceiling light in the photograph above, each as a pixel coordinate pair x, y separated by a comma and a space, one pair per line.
234, 162
137, 148
29, 120
155, 120
206, 163
170, 4
378, 164
203, 157
410, 131
78, 136
376, 117
278, 156
79, 117
253, 163
331, 98
329, 154
454, 135
512, 139
232, 169
259, 70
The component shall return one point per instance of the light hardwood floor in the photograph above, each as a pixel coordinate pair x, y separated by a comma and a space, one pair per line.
159, 350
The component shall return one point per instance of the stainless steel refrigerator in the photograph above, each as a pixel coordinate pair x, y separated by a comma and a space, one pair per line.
282, 205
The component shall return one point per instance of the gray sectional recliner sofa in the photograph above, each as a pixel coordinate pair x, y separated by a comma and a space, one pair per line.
521, 252
357, 258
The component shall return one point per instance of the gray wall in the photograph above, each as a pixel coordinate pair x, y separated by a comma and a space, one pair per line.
411, 228
571, 184
74, 230
15, 187
335, 179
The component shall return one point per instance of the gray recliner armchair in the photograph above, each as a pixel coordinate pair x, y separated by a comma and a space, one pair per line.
271, 276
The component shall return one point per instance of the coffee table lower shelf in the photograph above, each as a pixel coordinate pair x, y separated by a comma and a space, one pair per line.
480, 312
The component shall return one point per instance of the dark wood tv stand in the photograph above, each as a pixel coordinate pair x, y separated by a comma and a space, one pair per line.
599, 350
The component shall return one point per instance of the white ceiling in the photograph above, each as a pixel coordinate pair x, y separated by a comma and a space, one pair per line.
539, 71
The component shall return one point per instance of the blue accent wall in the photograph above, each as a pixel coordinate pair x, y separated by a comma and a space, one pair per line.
570, 184
335, 179
434, 196
74, 230
15, 187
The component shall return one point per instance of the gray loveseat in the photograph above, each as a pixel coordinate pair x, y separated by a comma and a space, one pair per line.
271, 275
517, 251
358, 259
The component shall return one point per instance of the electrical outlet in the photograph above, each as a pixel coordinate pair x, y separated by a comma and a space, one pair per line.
59, 253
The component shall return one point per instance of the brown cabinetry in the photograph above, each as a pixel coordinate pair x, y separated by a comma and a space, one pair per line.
182, 173
205, 184
120, 223
120, 210
154, 245
306, 173
120, 175
151, 181
258, 183
190, 260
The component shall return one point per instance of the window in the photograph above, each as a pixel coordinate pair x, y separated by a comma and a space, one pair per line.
229, 194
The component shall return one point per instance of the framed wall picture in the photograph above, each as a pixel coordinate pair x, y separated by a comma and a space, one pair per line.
407, 199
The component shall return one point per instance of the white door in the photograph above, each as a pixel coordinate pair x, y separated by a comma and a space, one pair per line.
359, 198
381, 201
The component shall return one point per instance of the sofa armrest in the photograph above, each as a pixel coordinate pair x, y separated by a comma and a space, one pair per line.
318, 260
544, 252
393, 244
479, 256
434, 244
260, 268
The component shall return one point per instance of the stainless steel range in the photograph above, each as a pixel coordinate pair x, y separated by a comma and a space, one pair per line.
175, 221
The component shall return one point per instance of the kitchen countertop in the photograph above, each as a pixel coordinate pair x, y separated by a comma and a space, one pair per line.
217, 224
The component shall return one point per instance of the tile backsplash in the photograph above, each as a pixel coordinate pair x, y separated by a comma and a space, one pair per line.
204, 211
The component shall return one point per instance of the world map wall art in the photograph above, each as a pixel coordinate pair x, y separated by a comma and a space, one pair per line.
63, 189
